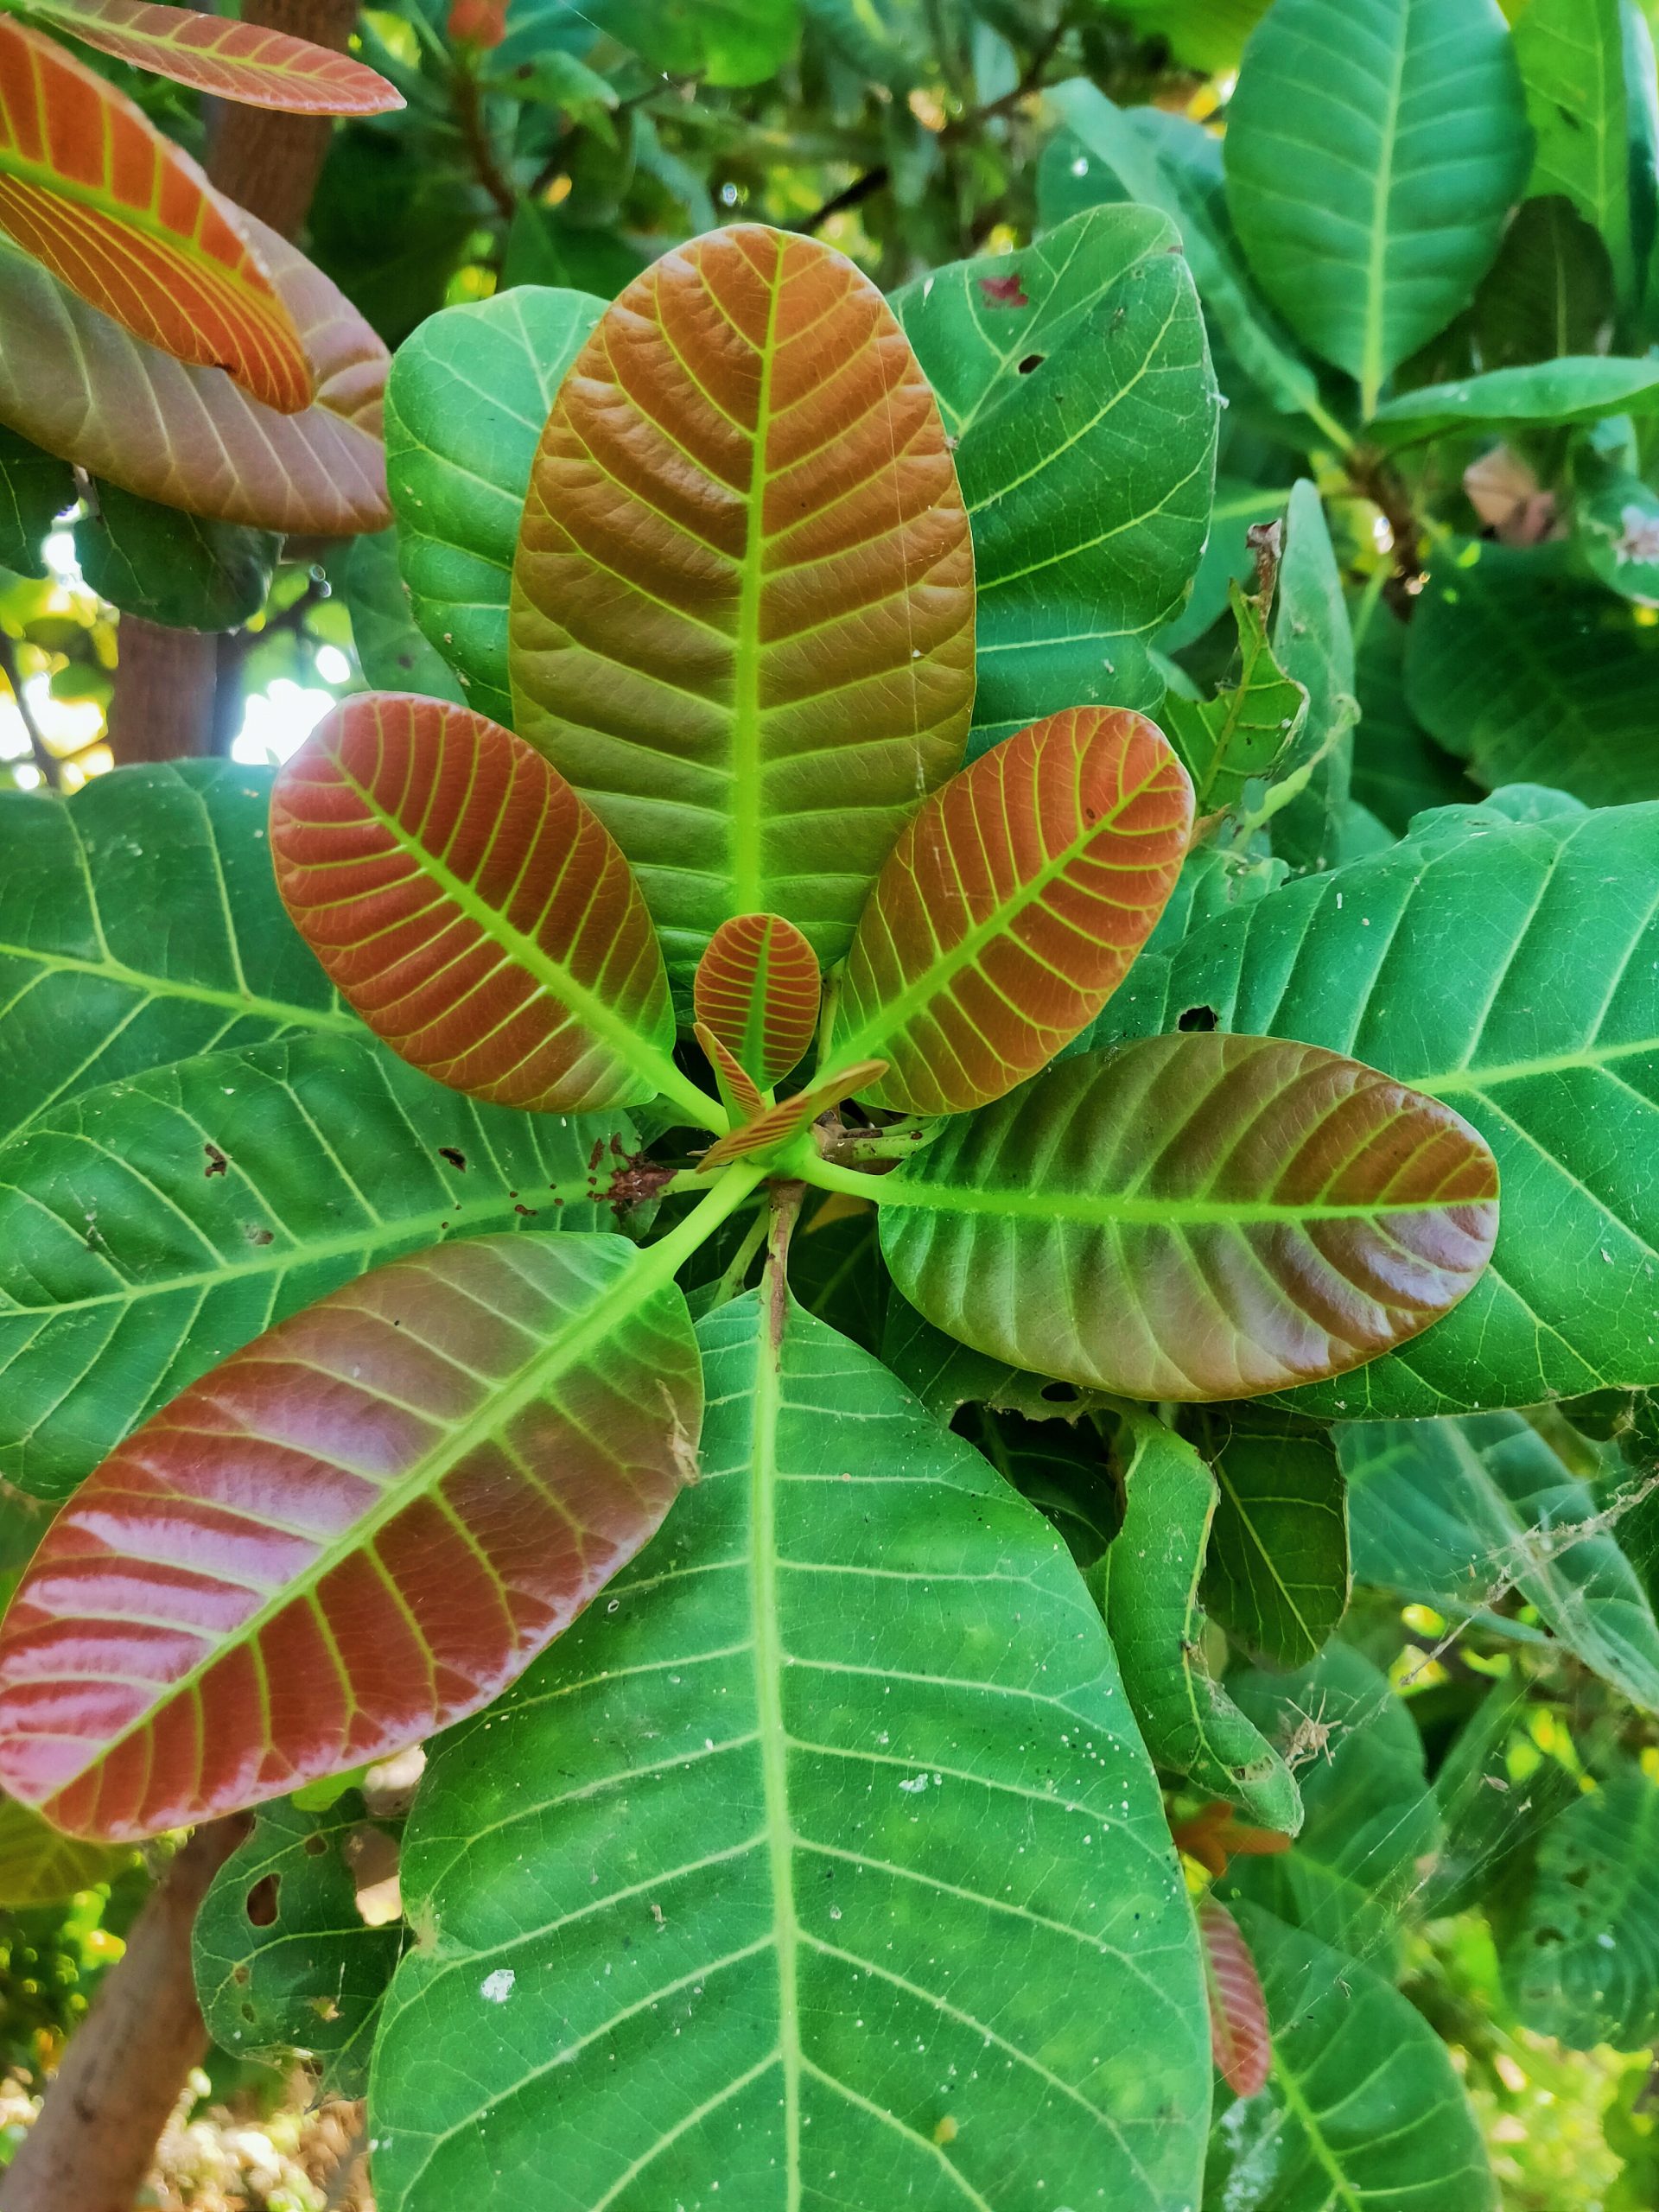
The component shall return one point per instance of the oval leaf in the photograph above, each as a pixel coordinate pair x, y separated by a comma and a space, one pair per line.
768, 1130
1239, 2036
1198, 1216
356, 1530
79, 385
757, 987
91, 189
1011, 906
1583, 1964
235, 61
743, 601
471, 908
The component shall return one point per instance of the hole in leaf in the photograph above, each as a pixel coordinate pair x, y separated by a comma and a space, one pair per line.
455, 1157
316, 1845
1059, 1394
1197, 1017
241, 1976
1032, 361
260, 1903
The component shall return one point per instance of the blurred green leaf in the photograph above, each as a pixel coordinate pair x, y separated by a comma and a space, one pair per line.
172, 568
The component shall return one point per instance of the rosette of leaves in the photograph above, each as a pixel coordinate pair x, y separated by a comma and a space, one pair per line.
347, 1309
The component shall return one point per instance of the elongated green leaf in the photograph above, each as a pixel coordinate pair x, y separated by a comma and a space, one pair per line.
172, 568
1011, 908
391, 651
1542, 1027
1372, 1823
139, 924
1062, 1466
1074, 377
1173, 164
1374, 149
472, 910
151, 1227
283, 1959
1241, 735
1550, 291
1584, 1965
1462, 1513
1147, 1583
743, 598
1193, 1217
1520, 667
1363, 2108
1572, 58
1229, 557
758, 988
1399, 771
35, 488
421, 1480
246, 62
466, 401
79, 385
1580, 389
810, 1727
1314, 645
1277, 1572
39, 1866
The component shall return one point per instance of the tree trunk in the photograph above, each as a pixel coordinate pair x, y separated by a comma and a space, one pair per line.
268, 162
121, 2074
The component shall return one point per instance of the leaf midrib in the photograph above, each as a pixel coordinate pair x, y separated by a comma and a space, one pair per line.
1098, 1210
162, 986
746, 844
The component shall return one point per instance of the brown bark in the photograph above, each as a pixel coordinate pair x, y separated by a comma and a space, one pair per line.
122, 2071
269, 163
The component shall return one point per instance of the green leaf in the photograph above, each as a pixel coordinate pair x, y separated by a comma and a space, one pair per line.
836, 1800
1074, 378
139, 924
546, 247
1228, 558
1239, 737
172, 568
1583, 388
1207, 34
1520, 667
1062, 1467
1148, 1586
1616, 526
1538, 928
39, 1866
1571, 54
391, 651
1173, 164
1399, 772
283, 1959
35, 489
1374, 149
151, 1228
1362, 2108
1277, 1572
1550, 291
1315, 647
727, 41
1192, 1219
1369, 1815
1462, 1513
1584, 1964
466, 401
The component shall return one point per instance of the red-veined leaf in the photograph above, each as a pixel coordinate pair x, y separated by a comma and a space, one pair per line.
737, 1086
474, 911
1239, 2035
356, 1529
757, 987
1011, 906
82, 387
742, 608
117, 212
780, 1122
1193, 1217
216, 54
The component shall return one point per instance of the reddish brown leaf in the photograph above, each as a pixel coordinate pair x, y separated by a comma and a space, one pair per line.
782, 1120
355, 1530
758, 988
1239, 2036
216, 53
737, 1086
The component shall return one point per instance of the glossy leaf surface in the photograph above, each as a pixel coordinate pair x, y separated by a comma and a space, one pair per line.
1011, 908
359, 1528
1084, 422
1314, 645
239, 61
1362, 2106
743, 601
472, 909
171, 568
1458, 1513
1580, 389
1239, 2038
814, 1734
1149, 1584
1194, 1217
1584, 1964
465, 402
116, 212
1277, 1570
1402, 124
150, 1227
1571, 54
1537, 923
392, 652
757, 987
39, 1866
283, 1959
138, 925
126, 412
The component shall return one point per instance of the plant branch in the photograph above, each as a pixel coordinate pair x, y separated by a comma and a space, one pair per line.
45, 759
469, 115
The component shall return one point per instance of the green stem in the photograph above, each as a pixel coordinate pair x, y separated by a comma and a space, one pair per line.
825, 1175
